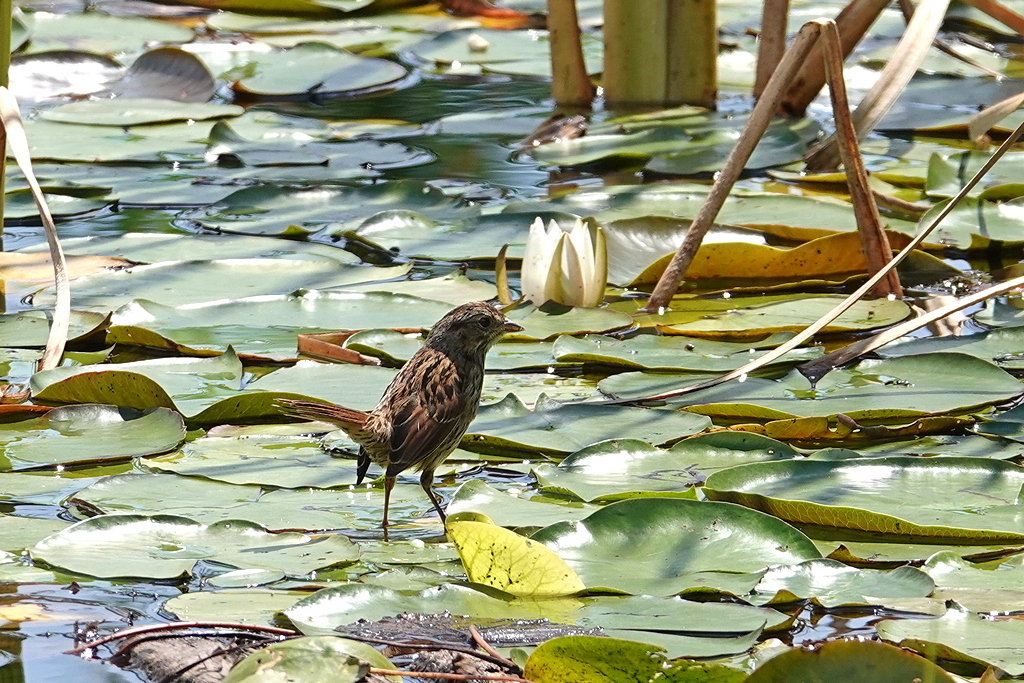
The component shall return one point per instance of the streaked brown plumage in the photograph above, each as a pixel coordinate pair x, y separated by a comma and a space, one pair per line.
427, 407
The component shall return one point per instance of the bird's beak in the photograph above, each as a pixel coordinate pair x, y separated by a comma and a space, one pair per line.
510, 326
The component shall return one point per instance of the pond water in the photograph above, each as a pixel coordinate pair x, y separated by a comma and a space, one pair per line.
361, 172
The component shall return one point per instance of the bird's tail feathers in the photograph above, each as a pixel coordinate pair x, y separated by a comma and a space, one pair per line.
328, 412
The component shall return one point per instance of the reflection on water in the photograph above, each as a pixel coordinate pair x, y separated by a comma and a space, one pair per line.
38, 623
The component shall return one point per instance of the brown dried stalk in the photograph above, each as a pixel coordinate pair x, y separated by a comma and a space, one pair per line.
758, 122
874, 242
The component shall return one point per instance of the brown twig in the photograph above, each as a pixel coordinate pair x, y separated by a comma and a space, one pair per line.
910, 210
873, 239
758, 122
841, 307
174, 626
1000, 12
771, 44
906, 58
853, 22
486, 647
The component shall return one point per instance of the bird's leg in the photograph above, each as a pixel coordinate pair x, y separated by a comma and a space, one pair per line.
362, 465
426, 479
389, 483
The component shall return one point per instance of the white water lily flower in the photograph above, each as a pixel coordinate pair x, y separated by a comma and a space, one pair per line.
565, 264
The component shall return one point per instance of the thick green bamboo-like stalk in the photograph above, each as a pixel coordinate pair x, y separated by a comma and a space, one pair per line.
570, 84
660, 53
692, 53
635, 57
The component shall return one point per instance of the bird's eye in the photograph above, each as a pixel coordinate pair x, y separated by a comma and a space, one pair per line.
483, 322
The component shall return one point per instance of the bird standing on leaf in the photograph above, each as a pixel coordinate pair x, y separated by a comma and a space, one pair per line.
427, 407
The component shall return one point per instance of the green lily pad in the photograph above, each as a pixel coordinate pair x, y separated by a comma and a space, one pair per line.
640, 616
554, 428
272, 210
38, 489
967, 499
77, 434
18, 533
190, 381
130, 111
147, 247
268, 460
673, 544
501, 46
210, 502
31, 328
622, 468
310, 659
615, 469
396, 348
653, 352
609, 660
892, 391
102, 33
301, 160
695, 144
791, 315
1002, 346
961, 636
475, 237
315, 68
455, 289
167, 547
142, 144
850, 660
166, 73
241, 605
833, 584
510, 510
788, 216
179, 283
977, 222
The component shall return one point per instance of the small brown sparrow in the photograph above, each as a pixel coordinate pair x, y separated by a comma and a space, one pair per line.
427, 407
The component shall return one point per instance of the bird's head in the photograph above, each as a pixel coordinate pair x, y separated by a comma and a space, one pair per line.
470, 328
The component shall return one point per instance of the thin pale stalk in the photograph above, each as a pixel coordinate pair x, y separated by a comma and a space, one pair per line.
58, 336
758, 122
853, 22
840, 308
902, 65
771, 44
6, 12
873, 240
819, 367
570, 84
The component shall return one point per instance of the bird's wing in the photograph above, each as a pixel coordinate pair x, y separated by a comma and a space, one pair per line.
431, 415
